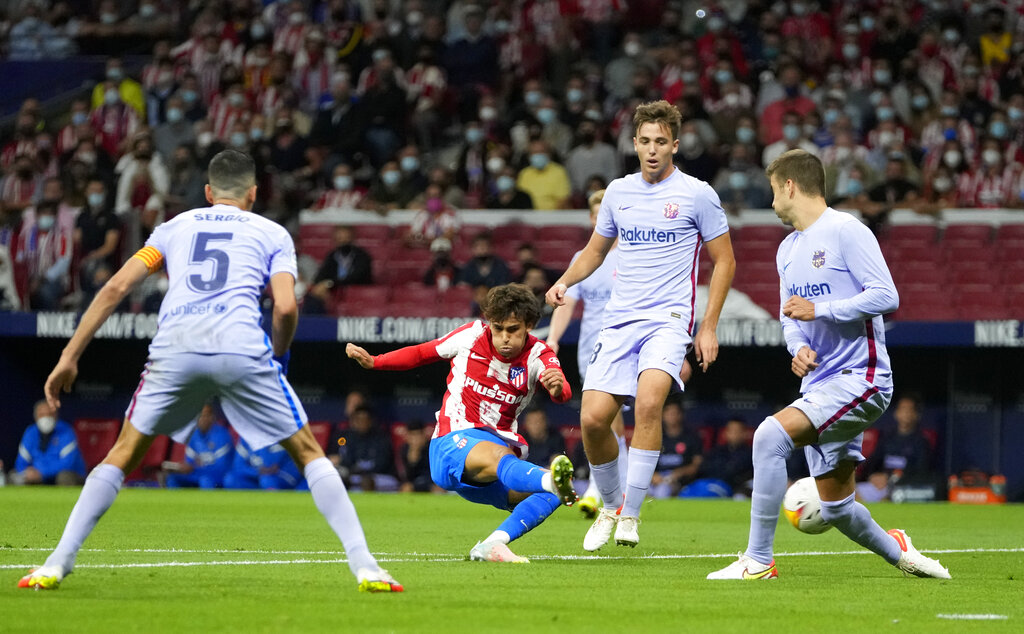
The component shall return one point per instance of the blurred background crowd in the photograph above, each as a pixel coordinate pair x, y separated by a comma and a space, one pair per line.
440, 106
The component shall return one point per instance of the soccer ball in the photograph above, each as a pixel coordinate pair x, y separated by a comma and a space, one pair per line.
802, 507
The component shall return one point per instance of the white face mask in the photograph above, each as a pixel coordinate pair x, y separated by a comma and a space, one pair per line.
46, 424
990, 157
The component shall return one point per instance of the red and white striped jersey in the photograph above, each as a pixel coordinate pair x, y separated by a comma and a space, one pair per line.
484, 388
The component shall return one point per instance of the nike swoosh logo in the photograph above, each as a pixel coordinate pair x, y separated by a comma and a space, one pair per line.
760, 575
531, 470
621, 208
473, 355
525, 525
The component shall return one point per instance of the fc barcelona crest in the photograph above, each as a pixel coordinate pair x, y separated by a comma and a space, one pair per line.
671, 210
517, 376
818, 259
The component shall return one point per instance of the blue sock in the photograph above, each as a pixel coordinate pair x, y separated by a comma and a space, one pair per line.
529, 513
520, 475
772, 445
854, 520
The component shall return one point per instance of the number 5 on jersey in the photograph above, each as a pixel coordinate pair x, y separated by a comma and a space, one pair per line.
201, 254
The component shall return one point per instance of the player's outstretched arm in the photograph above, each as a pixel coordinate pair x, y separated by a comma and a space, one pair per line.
559, 322
589, 259
554, 382
107, 299
362, 357
705, 343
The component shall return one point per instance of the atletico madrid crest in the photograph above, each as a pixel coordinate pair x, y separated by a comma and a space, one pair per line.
671, 210
517, 376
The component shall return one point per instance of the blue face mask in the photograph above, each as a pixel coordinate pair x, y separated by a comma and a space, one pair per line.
722, 76
885, 113
239, 139
174, 115
831, 116
343, 182
45, 223
999, 129
96, 200
791, 131
189, 96
546, 116
391, 177
79, 118
474, 136
745, 135
950, 111
854, 187
1015, 113
256, 134
738, 180
532, 98
919, 102
574, 95
505, 183
539, 161
410, 163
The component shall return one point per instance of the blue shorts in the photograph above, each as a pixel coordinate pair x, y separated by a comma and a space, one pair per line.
448, 460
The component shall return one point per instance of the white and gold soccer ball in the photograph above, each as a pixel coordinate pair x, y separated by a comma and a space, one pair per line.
802, 507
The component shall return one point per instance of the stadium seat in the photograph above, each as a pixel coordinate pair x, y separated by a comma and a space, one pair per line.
516, 233
375, 294
322, 432
177, 453
973, 303
919, 275
468, 232
976, 276
1012, 275
1009, 250
911, 234
910, 254
360, 309
316, 240
95, 438
413, 309
379, 233
457, 296
151, 462
977, 233
1010, 231
567, 235
772, 234
414, 294
401, 272
969, 256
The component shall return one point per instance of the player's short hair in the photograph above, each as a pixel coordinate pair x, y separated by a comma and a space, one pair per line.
231, 173
595, 198
661, 112
801, 167
511, 300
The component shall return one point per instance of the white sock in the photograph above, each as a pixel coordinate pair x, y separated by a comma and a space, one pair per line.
332, 500
548, 482
623, 461
98, 493
592, 490
607, 478
642, 463
500, 536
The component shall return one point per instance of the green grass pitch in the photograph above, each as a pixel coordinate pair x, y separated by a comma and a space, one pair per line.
208, 561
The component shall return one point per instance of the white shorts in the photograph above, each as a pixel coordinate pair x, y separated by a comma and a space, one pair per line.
624, 351
841, 409
254, 394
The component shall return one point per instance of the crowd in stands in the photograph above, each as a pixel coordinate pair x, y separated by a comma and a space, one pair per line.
516, 104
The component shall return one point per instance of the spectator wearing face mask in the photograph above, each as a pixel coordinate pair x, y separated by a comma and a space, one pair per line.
48, 453
591, 156
443, 271
791, 98
175, 130
44, 249
742, 184
507, 194
793, 137
544, 180
385, 190
127, 89
694, 156
342, 192
435, 220
993, 184
113, 120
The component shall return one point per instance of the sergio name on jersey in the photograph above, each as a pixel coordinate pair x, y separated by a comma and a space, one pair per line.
484, 389
218, 261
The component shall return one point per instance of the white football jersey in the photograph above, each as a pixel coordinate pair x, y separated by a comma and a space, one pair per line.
837, 265
218, 259
660, 227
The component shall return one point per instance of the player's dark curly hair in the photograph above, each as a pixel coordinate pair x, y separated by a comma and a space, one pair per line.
511, 300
